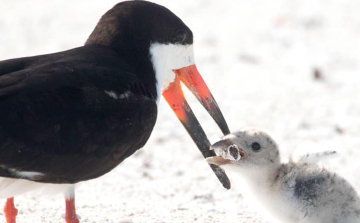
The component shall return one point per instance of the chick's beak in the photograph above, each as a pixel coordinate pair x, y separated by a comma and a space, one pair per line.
175, 98
220, 161
227, 152
217, 160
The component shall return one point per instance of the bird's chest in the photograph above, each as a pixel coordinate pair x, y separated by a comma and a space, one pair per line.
123, 128
285, 206
274, 200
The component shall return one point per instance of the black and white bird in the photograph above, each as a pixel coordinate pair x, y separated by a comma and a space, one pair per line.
75, 115
299, 191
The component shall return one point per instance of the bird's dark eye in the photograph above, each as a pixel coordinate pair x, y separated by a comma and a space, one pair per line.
255, 146
180, 36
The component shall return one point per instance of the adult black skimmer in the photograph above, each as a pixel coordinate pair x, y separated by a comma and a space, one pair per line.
75, 115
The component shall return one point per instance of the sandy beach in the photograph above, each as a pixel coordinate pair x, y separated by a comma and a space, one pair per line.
290, 68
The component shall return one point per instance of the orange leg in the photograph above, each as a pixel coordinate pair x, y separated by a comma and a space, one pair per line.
10, 211
70, 214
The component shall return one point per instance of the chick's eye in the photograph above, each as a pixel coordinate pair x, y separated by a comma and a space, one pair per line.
180, 36
255, 146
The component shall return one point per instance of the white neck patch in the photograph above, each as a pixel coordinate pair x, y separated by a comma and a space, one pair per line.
166, 58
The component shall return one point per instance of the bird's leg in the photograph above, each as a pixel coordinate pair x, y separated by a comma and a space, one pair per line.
10, 211
70, 214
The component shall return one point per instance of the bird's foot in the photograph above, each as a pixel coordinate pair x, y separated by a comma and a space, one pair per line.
70, 214
63, 216
72, 219
10, 211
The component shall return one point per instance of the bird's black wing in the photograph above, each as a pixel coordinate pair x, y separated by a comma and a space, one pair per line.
70, 116
13, 65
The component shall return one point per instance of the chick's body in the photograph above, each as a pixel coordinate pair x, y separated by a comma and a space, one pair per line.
293, 192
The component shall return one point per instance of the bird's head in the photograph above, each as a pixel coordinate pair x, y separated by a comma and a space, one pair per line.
158, 46
248, 150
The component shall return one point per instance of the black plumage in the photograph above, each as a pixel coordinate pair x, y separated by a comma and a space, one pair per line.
57, 119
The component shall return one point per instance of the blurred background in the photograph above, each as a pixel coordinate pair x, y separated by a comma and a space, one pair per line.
290, 68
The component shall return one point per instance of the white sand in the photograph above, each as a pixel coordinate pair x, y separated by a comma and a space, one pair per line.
258, 59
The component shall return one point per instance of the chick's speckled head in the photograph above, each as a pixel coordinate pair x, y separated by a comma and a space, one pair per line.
251, 148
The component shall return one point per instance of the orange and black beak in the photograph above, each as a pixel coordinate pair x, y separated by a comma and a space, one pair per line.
192, 79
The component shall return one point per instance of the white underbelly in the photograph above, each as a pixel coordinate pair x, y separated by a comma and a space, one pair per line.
10, 187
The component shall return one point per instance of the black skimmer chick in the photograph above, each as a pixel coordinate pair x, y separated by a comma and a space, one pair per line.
75, 115
295, 192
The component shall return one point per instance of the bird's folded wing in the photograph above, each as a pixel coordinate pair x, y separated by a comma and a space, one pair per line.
312, 158
69, 116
